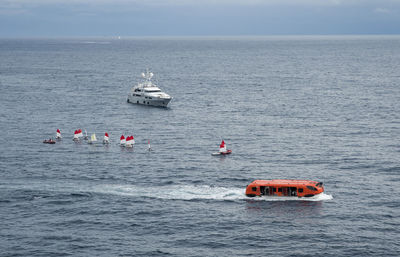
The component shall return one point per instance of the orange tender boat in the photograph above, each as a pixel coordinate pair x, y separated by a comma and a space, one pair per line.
284, 187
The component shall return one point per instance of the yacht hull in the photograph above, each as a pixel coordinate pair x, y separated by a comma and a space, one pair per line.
160, 102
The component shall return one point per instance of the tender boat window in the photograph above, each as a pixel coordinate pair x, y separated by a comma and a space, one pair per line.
312, 188
319, 184
274, 189
280, 189
300, 190
254, 189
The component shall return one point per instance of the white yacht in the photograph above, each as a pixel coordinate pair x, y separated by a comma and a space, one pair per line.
148, 93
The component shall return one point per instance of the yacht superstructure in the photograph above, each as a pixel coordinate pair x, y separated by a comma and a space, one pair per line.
147, 93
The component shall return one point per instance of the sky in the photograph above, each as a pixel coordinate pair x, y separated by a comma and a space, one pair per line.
99, 18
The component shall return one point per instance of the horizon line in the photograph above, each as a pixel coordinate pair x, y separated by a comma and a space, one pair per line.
121, 37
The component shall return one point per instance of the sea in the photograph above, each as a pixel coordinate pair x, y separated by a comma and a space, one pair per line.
322, 108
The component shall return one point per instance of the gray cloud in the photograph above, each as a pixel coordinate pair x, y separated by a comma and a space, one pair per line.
196, 17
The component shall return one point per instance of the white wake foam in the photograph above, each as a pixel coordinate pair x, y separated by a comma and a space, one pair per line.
169, 192
319, 197
188, 192
175, 192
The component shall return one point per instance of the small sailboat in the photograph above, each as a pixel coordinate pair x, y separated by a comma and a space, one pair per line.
58, 135
149, 146
92, 139
222, 149
122, 141
86, 136
105, 139
79, 132
76, 136
129, 141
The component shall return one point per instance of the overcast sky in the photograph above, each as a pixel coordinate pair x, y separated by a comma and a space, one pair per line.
53, 18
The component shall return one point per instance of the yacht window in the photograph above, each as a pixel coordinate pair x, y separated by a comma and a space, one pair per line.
153, 90
150, 98
312, 188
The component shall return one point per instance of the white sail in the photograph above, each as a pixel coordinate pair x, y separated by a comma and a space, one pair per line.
122, 141
105, 139
222, 149
58, 135
93, 138
129, 141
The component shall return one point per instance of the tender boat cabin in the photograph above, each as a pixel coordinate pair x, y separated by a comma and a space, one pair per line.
284, 187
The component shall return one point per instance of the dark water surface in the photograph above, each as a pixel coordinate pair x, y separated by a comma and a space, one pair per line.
320, 108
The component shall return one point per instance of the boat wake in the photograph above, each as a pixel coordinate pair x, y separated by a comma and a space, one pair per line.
319, 197
176, 192
197, 192
165, 192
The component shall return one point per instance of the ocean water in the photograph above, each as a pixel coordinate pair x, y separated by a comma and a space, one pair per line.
307, 107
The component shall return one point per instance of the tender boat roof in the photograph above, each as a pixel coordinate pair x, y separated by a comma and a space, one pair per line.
292, 182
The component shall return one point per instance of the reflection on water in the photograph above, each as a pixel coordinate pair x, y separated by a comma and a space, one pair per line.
292, 209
